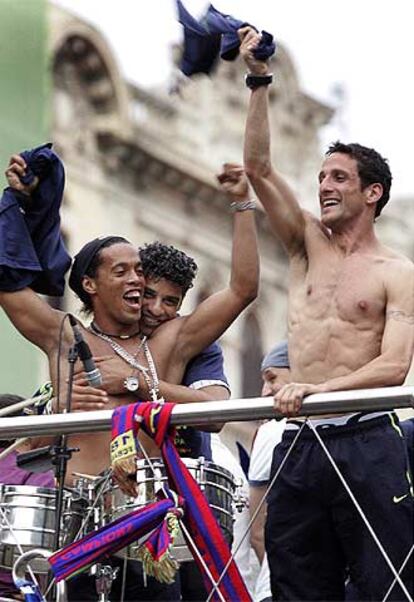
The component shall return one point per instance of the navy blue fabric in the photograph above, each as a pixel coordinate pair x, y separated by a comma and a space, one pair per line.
244, 458
408, 430
220, 23
214, 34
200, 50
32, 252
314, 534
208, 365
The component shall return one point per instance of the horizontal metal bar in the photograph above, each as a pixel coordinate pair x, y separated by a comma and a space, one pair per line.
212, 412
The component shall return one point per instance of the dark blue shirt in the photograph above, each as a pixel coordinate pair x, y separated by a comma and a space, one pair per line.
205, 369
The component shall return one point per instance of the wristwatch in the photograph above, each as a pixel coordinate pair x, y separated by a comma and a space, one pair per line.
255, 81
131, 384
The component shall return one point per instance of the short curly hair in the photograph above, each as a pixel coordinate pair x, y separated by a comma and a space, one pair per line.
372, 168
165, 261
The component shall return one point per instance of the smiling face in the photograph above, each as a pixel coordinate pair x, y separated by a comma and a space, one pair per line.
340, 194
161, 302
117, 287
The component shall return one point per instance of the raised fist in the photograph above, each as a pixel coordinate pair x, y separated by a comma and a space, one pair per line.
15, 171
233, 181
249, 40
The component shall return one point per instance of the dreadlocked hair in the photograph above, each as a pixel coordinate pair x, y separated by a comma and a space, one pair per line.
165, 261
87, 307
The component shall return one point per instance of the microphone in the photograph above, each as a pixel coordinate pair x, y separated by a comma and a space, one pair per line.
93, 375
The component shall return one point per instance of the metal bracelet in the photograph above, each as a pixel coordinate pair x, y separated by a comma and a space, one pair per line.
243, 205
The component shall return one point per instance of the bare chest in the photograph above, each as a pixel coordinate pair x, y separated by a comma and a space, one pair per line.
351, 290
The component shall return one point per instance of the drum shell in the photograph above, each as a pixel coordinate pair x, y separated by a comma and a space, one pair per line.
31, 512
217, 484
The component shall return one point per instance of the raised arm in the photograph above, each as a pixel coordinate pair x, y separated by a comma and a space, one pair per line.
30, 314
214, 315
285, 215
34, 318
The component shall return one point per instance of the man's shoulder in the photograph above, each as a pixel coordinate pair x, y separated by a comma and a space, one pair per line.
315, 239
169, 328
398, 267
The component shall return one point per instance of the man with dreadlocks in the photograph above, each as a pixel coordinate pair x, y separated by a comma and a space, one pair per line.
169, 274
108, 278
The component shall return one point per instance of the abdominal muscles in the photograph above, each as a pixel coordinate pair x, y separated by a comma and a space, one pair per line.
333, 338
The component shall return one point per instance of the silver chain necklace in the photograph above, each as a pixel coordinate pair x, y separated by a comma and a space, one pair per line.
151, 379
155, 389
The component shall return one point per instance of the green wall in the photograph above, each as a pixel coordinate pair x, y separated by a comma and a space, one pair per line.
24, 123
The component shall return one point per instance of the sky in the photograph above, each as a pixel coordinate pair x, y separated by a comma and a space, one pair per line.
363, 47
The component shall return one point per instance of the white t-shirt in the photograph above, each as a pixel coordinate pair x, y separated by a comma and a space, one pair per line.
268, 436
262, 589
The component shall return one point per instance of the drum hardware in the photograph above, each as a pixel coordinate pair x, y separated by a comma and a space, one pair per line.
23, 563
104, 576
28, 520
240, 499
216, 482
91, 488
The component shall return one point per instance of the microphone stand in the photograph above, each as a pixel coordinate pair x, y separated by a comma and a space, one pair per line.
62, 453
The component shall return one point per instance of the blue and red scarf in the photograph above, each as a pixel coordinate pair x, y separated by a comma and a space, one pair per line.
105, 542
150, 523
199, 519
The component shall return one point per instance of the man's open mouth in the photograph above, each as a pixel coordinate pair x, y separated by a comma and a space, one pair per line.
328, 203
133, 298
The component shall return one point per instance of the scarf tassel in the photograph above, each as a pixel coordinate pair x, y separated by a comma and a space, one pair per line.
155, 553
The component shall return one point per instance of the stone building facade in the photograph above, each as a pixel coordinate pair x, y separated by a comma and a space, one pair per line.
142, 164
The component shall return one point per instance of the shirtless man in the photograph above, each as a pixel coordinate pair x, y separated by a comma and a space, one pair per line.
351, 325
109, 277
169, 273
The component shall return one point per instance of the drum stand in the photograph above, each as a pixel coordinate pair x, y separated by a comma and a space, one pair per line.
104, 577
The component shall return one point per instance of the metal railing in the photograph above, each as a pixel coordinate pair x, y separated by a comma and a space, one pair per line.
211, 412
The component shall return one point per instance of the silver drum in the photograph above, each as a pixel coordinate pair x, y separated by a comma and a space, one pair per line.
28, 520
217, 484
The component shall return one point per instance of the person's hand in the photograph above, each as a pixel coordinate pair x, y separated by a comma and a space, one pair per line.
288, 400
249, 40
124, 475
86, 398
15, 171
234, 182
113, 371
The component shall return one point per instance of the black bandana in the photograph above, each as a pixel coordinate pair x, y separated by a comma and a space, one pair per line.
83, 260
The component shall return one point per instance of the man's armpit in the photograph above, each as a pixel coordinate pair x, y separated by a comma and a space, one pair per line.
400, 316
